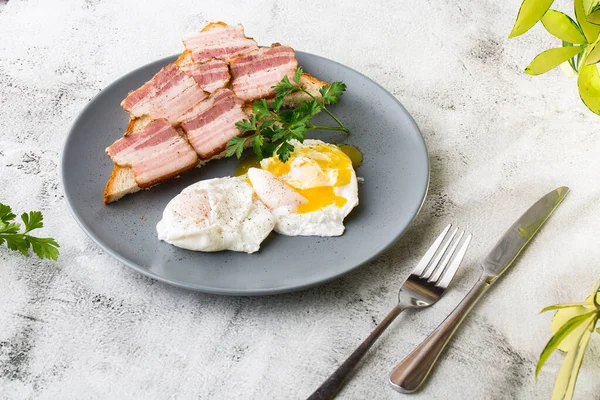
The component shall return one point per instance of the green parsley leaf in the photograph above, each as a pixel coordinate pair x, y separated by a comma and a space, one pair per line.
261, 109
6, 213
257, 144
297, 75
32, 221
273, 128
285, 87
284, 151
278, 134
278, 102
268, 149
12, 227
297, 132
17, 242
246, 125
331, 93
285, 116
235, 145
44, 247
21, 241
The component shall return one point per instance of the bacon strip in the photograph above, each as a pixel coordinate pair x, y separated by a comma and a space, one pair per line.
218, 40
254, 73
154, 153
211, 123
169, 94
211, 75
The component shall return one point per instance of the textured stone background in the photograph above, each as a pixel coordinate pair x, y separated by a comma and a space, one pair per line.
88, 327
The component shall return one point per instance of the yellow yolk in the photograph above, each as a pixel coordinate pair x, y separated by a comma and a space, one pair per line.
243, 167
353, 153
317, 164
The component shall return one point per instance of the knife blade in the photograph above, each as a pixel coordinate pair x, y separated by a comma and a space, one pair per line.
413, 370
510, 245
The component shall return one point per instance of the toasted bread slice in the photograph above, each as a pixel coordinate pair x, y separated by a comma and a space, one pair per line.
122, 181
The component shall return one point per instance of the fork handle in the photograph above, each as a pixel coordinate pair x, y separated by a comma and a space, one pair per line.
412, 371
333, 384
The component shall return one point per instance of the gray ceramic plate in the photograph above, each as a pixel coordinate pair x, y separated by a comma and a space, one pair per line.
395, 171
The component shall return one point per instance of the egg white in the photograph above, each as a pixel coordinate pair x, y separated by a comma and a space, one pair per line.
327, 221
214, 215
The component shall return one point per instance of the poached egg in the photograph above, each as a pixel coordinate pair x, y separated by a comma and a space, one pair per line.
216, 214
311, 193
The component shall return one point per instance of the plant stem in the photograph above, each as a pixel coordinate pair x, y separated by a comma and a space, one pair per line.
329, 128
327, 111
336, 120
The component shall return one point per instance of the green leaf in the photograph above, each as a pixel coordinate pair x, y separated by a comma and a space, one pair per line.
309, 108
278, 102
563, 27
284, 151
285, 87
593, 56
235, 145
563, 305
530, 13
297, 75
590, 30
268, 149
32, 221
285, 116
12, 227
565, 314
331, 93
297, 132
246, 125
278, 133
260, 108
592, 11
570, 70
6, 213
257, 144
17, 242
562, 333
564, 385
552, 58
598, 330
589, 87
44, 247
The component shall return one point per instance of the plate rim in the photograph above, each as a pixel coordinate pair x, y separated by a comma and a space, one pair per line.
227, 291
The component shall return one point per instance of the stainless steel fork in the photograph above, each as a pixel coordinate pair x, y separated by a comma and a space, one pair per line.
424, 287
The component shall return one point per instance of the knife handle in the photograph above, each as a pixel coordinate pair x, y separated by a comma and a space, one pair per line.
412, 371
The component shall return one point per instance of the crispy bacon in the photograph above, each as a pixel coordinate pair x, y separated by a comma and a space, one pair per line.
211, 75
169, 94
154, 153
218, 40
254, 73
211, 123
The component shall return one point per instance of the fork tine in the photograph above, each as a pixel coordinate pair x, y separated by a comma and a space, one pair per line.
439, 269
438, 257
451, 271
420, 268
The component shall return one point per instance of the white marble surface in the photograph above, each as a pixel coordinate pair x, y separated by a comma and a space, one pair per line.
88, 327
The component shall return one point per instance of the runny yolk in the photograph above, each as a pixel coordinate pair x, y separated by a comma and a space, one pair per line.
243, 167
353, 153
327, 158
319, 197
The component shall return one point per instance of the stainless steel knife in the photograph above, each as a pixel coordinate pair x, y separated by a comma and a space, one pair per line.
414, 368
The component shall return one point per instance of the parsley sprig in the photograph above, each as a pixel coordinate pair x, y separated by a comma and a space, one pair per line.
21, 241
272, 128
